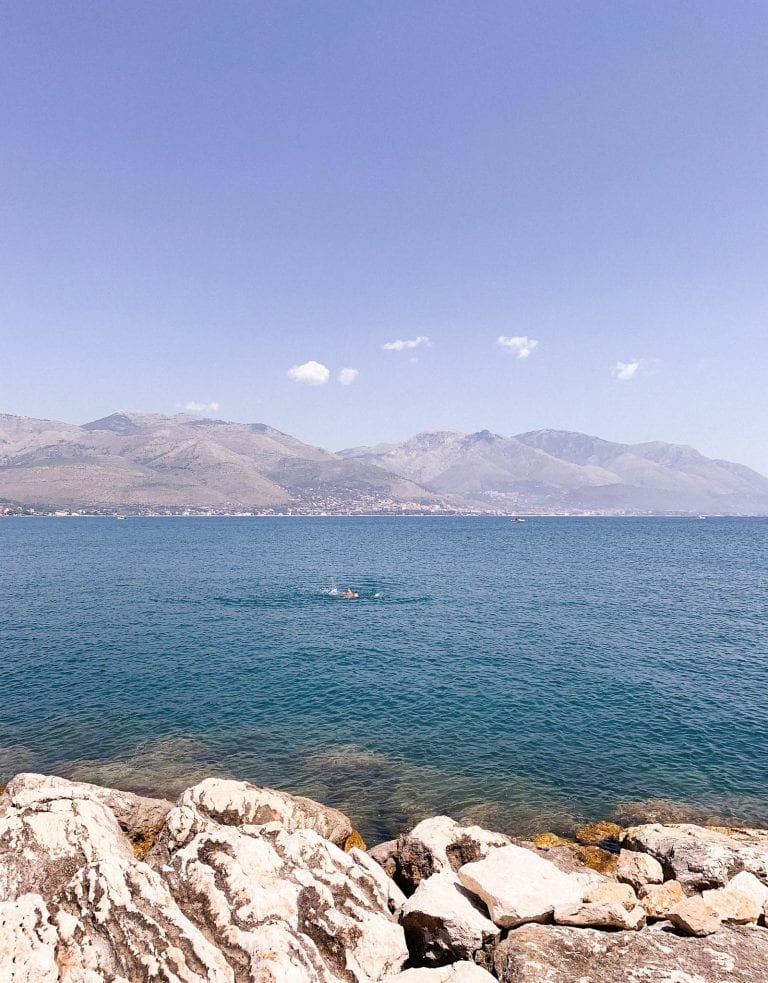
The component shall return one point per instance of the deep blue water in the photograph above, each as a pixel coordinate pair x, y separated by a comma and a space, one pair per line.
526, 676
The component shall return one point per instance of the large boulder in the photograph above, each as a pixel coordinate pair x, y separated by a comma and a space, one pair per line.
117, 920
282, 905
444, 923
433, 846
553, 954
701, 857
462, 972
47, 833
272, 902
135, 814
27, 941
242, 804
517, 885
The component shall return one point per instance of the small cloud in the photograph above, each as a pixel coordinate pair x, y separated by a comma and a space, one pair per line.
521, 345
193, 407
310, 373
348, 376
626, 370
403, 344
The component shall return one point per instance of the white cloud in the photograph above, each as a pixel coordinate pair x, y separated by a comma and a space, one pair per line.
626, 370
348, 376
521, 345
310, 373
401, 345
193, 407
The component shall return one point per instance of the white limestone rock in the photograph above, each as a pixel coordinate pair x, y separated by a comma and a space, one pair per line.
46, 837
444, 923
519, 886
435, 845
461, 972
242, 804
733, 906
118, 919
748, 884
284, 906
555, 954
395, 899
600, 914
695, 917
659, 899
27, 942
135, 814
612, 891
701, 857
638, 869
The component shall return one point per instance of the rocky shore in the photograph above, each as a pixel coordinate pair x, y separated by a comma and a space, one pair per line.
236, 882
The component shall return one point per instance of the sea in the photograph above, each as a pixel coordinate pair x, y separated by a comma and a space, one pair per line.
526, 676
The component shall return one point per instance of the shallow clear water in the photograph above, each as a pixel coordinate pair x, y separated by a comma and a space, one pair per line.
527, 676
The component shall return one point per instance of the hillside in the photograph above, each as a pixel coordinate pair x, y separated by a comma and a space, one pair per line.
138, 461
560, 470
151, 461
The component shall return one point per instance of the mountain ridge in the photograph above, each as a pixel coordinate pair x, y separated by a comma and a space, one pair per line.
150, 461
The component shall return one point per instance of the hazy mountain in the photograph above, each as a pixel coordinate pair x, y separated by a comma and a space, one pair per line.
552, 469
152, 461
133, 459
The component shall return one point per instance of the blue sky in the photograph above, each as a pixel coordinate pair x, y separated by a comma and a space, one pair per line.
196, 198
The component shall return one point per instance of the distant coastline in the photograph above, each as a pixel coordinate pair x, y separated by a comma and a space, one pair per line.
149, 464
25, 512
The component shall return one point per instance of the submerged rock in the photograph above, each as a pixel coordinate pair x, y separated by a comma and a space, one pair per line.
554, 954
600, 833
569, 855
700, 857
444, 923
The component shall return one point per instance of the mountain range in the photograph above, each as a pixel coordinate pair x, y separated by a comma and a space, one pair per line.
138, 461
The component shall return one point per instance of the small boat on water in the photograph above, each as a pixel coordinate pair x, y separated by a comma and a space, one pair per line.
518, 518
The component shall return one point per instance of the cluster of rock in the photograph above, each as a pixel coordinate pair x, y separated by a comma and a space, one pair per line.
236, 882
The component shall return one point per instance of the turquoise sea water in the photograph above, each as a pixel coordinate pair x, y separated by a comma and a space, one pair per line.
526, 676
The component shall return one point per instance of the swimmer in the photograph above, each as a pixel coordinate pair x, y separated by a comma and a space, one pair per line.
350, 595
